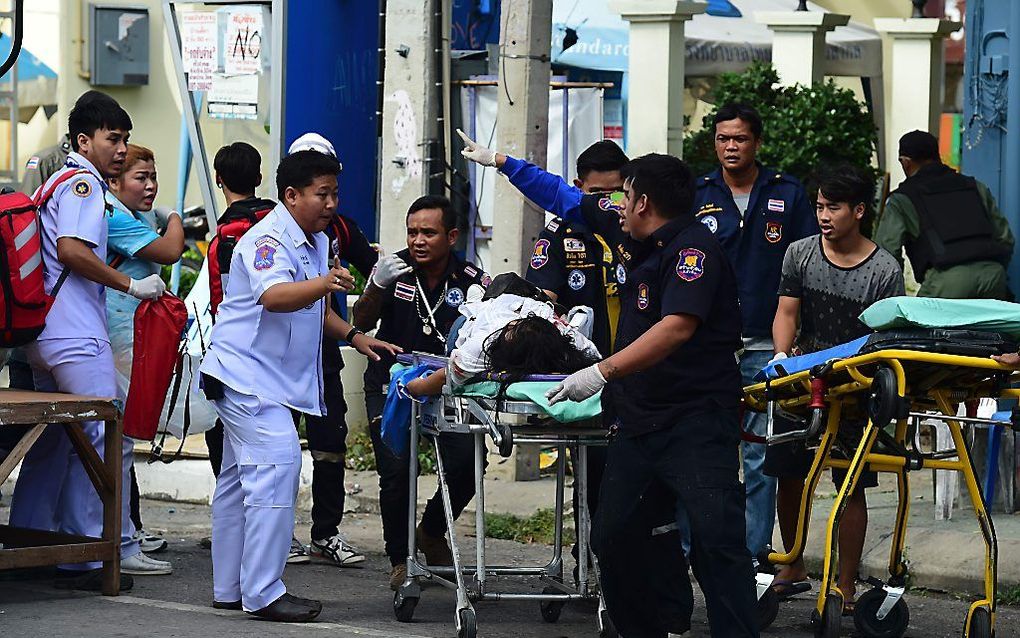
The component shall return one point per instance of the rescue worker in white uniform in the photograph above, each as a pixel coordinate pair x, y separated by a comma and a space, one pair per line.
73, 353
264, 363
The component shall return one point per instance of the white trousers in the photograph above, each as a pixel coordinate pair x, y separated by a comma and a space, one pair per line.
53, 491
253, 507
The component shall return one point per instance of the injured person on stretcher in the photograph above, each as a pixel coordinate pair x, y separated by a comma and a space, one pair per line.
512, 336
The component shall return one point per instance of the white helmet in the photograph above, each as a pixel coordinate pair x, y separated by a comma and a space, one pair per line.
312, 142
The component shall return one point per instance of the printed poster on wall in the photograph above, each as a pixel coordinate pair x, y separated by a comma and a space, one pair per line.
234, 97
198, 48
243, 42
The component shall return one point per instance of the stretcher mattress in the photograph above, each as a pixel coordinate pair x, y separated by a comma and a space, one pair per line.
969, 343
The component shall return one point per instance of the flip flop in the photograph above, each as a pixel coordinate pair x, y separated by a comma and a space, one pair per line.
789, 588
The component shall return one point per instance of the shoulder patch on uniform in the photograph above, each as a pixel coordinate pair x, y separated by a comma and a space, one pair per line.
777, 205
267, 240
33, 163
691, 264
540, 256
470, 271
486, 280
613, 201
553, 226
265, 253
81, 187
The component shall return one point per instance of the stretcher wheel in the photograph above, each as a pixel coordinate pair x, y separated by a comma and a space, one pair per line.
467, 629
828, 624
551, 609
768, 608
403, 607
606, 627
506, 446
980, 624
884, 401
866, 619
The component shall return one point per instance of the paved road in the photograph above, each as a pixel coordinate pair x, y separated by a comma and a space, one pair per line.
357, 602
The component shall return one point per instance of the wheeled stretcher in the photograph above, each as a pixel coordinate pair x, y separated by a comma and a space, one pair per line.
898, 379
507, 422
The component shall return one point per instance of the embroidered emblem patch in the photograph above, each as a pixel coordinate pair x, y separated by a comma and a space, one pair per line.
265, 256
552, 226
470, 271
454, 297
613, 201
773, 232
33, 163
691, 264
576, 280
540, 256
82, 188
777, 205
486, 280
572, 245
404, 291
711, 223
642, 296
621, 274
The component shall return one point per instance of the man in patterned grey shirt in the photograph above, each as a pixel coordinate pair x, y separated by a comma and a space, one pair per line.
828, 280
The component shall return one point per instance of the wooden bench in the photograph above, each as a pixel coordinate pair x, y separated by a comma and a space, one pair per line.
33, 548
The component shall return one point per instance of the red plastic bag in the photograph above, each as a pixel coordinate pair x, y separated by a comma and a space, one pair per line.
157, 354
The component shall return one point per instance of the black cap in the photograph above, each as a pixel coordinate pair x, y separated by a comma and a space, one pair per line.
919, 146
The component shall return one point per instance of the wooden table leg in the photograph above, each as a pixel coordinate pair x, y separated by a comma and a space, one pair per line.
112, 466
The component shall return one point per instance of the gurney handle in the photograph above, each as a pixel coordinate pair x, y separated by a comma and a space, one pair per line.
814, 428
965, 419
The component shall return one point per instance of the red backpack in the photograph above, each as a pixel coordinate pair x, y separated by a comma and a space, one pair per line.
23, 299
234, 223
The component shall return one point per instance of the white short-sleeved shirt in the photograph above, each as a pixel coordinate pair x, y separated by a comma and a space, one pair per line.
77, 209
272, 355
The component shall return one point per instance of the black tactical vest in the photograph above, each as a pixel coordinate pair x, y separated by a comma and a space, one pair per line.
955, 227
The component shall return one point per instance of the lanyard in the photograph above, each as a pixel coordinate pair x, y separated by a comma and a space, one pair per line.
429, 321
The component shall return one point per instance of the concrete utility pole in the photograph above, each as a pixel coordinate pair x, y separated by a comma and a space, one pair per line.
410, 113
522, 125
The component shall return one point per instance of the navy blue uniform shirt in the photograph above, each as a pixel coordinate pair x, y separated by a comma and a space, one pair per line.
685, 272
778, 214
581, 269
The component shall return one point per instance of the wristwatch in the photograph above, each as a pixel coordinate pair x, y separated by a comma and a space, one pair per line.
354, 332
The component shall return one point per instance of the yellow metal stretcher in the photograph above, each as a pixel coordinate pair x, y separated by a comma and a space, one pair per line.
896, 389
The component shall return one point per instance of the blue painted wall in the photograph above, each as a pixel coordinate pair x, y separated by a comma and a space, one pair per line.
332, 68
991, 93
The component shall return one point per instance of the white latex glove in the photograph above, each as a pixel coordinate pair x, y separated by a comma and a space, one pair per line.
388, 270
148, 288
579, 386
779, 357
476, 152
163, 214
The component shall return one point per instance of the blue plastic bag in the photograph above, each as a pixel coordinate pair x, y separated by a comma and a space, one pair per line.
396, 417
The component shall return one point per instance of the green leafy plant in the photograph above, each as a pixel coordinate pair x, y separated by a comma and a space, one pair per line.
806, 127
361, 457
191, 263
540, 527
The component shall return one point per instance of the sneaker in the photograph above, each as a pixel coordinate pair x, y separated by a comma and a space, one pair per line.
150, 543
336, 549
142, 565
437, 552
298, 553
397, 576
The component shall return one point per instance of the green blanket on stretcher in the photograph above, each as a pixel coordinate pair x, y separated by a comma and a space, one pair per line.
534, 391
984, 315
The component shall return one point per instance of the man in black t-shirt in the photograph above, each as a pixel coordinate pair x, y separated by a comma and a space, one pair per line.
414, 295
676, 388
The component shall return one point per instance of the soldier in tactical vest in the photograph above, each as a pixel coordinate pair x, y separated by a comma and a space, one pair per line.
956, 238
